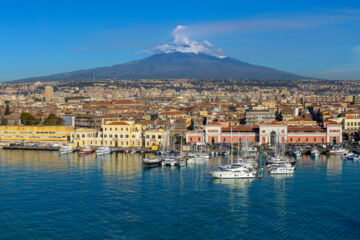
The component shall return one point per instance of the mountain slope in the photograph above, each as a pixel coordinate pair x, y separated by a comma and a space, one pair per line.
175, 65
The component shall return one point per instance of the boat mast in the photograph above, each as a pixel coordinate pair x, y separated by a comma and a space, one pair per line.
231, 145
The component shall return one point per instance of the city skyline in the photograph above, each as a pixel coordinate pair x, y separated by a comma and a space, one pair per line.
312, 39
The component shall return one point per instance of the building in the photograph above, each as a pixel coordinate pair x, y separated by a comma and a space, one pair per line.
259, 116
68, 120
49, 93
92, 121
35, 134
156, 139
351, 122
82, 137
267, 133
123, 134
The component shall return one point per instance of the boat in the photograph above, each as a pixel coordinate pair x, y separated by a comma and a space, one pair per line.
133, 151
297, 153
152, 162
315, 153
168, 161
338, 151
86, 150
282, 169
181, 162
66, 150
233, 173
103, 151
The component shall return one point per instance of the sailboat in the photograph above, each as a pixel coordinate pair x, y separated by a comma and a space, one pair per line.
233, 171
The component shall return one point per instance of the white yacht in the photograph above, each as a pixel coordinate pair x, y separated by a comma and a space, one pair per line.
66, 150
297, 153
283, 169
239, 172
103, 151
169, 161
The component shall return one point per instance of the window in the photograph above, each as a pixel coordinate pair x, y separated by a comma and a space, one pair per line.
190, 139
110, 129
147, 136
116, 136
159, 136
314, 139
307, 139
290, 139
153, 136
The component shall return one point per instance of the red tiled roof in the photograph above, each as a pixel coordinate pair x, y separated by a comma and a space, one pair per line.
118, 123
125, 101
304, 128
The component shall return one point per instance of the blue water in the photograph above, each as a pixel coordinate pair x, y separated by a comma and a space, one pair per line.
45, 196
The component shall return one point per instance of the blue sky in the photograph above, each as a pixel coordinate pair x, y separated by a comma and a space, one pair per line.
313, 38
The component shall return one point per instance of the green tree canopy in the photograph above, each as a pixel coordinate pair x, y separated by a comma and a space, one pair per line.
7, 110
53, 120
28, 119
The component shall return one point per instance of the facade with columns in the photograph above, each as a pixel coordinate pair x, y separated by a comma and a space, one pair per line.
267, 133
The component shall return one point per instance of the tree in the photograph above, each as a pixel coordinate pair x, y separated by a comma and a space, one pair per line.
4, 121
7, 109
53, 120
28, 119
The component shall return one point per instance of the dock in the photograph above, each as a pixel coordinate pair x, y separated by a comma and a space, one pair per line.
31, 148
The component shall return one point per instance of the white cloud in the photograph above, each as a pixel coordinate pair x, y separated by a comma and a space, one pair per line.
182, 43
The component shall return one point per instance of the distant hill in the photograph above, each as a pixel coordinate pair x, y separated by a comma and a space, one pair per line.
175, 65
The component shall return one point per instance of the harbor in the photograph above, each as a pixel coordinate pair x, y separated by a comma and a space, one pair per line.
126, 194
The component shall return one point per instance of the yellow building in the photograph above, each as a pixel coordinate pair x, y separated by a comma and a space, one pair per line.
121, 134
82, 137
35, 134
156, 137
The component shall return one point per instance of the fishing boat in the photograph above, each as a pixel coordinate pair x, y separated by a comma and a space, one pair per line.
103, 151
86, 150
152, 162
66, 150
315, 153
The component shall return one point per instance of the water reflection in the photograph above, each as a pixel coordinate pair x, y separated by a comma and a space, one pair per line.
334, 165
234, 183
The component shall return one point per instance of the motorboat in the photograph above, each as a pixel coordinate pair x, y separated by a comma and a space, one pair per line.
103, 151
86, 150
66, 150
152, 162
282, 169
315, 153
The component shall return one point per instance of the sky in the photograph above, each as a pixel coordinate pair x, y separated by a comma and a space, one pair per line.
314, 38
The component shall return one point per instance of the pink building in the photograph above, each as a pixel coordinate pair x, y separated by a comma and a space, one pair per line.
267, 133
